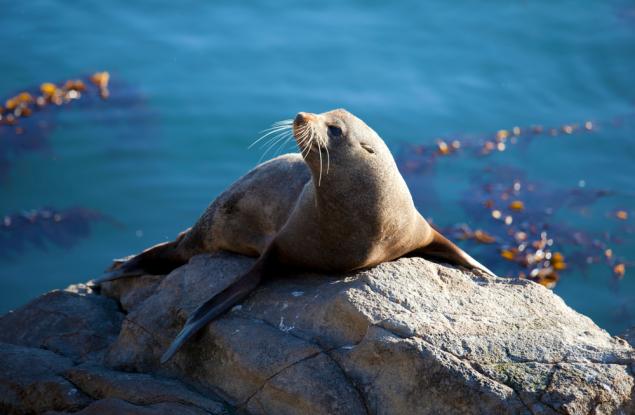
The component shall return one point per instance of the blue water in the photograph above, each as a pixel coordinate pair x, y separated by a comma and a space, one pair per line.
205, 77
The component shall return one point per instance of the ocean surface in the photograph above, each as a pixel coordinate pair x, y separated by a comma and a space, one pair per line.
193, 83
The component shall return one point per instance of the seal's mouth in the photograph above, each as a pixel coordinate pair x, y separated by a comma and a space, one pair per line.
302, 121
303, 131
309, 141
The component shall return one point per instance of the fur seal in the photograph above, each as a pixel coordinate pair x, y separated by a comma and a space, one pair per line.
337, 206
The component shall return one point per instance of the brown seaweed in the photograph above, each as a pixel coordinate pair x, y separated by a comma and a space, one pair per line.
519, 222
420, 159
516, 225
28, 117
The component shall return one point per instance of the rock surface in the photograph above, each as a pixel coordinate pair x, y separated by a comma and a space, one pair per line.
406, 337
629, 336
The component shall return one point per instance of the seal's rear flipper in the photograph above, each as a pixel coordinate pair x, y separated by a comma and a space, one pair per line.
215, 306
442, 248
117, 274
157, 260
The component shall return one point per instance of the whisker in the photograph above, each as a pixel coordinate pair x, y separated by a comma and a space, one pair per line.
288, 121
306, 142
307, 149
270, 142
273, 138
281, 147
320, 153
328, 158
273, 128
278, 124
265, 136
302, 136
288, 138
279, 138
277, 127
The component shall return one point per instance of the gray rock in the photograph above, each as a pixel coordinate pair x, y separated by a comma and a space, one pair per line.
629, 336
130, 292
408, 336
112, 406
74, 322
36, 380
138, 389
31, 381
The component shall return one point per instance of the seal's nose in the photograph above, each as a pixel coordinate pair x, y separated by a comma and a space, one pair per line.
303, 117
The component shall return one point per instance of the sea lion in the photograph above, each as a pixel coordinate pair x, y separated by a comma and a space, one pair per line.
338, 206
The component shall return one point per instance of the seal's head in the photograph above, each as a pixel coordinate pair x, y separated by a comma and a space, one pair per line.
337, 140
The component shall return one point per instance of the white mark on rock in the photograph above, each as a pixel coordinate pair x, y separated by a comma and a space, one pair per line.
284, 306
237, 307
284, 327
297, 293
348, 347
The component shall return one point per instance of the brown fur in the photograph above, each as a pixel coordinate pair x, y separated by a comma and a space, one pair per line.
340, 206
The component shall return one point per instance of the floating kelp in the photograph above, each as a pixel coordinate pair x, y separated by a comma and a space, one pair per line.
518, 222
516, 226
45, 227
418, 158
25, 103
28, 117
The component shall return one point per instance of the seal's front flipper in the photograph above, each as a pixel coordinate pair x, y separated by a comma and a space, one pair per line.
157, 260
217, 305
442, 248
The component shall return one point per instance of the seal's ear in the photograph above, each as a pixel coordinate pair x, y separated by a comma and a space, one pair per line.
368, 148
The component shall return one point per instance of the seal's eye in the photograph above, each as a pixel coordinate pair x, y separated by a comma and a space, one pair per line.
335, 131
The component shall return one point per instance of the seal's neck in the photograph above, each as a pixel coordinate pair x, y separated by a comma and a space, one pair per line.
368, 193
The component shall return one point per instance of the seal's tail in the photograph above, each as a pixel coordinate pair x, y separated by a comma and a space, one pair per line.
215, 306
157, 260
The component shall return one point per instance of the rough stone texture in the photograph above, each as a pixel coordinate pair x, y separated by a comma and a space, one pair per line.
111, 406
138, 389
406, 337
42, 371
32, 381
629, 336
74, 322
133, 292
